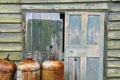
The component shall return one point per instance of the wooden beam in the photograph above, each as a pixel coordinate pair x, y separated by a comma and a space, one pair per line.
11, 28
113, 53
114, 16
58, 1
115, 64
10, 37
10, 47
113, 26
115, 6
10, 8
9, 1
72, 6
113, 34
13, 55
11, 18
113, 72
113, 44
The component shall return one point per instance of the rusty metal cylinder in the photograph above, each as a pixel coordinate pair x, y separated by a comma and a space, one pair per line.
52, 70
7, 69
28, 69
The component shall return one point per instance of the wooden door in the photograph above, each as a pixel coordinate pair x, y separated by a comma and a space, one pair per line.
42, 31
84, 45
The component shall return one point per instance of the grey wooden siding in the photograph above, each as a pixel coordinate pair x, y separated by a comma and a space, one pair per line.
11, 35
113, 53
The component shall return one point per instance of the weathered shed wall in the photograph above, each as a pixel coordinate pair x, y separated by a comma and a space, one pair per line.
113, 55
10, 29
11, 33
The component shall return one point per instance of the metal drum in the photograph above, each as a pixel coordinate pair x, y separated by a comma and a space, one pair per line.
28, 69
7, 69
52, 70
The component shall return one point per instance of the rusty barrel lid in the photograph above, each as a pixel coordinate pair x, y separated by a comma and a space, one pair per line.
7, 66
28, 65
52, 65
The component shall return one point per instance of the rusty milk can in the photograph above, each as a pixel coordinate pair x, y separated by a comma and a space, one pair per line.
7, 69
52, 70
28, 69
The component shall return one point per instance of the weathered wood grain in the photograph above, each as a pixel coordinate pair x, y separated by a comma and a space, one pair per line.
113, 72
9, 1
10, 28
10, 37
58, 1
71, 69
113, 25
10, 47
10, 8
13, 55
115, 0
113, 44
11, 18
114, 16
113, 34
115, 64
112, 59
114, 78
98, 6
115, 6
113, 53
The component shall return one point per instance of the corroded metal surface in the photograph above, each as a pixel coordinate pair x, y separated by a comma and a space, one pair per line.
7, 70
28, 75
52, 70
28, 70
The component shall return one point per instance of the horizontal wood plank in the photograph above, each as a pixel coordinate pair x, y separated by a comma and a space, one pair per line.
113, 26
114, 78
13, 55
10, 28
115, 0
114, 16
10, 37
58, 1
10, 47
113, 34
114, 44
113, 53
113, 72
113, 58
115, 6
10, 8
113, 64
9, 1
69, 6
11, 18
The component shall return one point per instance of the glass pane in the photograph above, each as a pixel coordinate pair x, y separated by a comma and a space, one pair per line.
92, 69
93, 29
74, 30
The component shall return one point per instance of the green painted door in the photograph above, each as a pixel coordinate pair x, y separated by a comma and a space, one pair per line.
84, 45
40, 35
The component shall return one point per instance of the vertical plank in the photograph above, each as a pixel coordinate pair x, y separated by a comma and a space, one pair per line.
28, 38
83, 68
84, 30
77, 68
66, 64
71, 69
